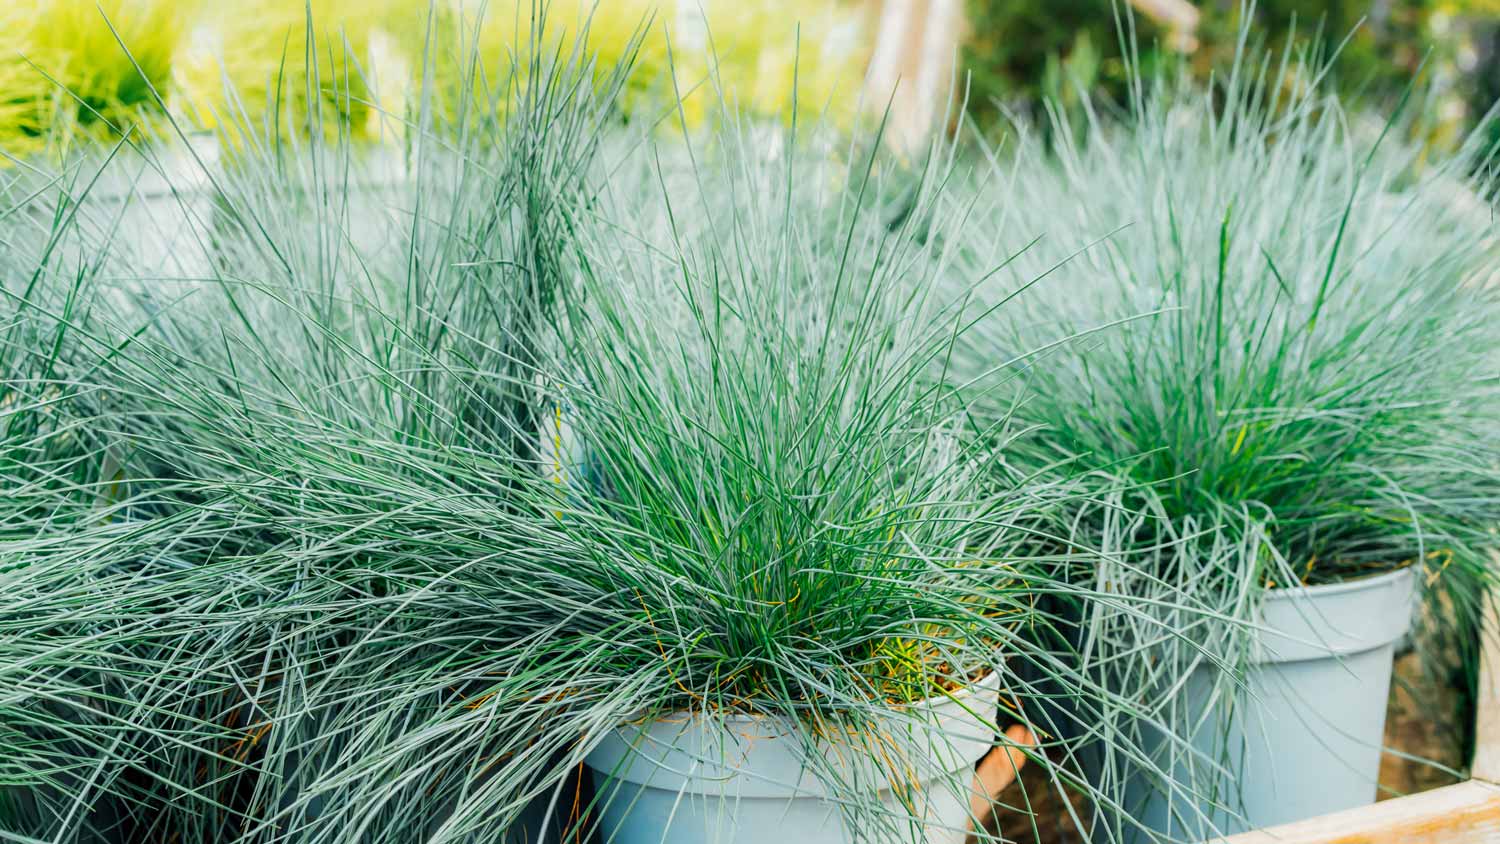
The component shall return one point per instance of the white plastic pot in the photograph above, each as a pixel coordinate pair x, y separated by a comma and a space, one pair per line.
1304, 737
158, 209
742, 779
380, 204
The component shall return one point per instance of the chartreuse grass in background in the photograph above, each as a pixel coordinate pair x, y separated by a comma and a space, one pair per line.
64, 74
286, 65
747, 54
71, 68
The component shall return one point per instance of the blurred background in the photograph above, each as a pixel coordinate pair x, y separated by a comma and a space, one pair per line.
1012, 55
1017, 51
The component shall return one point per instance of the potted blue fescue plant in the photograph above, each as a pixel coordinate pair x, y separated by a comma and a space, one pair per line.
1291, 418
788, 600
787, 460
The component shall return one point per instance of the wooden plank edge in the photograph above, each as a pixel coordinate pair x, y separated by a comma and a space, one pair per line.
1486, 765
1467, 813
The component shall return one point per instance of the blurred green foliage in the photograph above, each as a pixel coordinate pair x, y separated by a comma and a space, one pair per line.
86, 69
1021, 52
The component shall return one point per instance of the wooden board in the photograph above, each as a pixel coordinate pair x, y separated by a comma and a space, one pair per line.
913, 67
1467, 813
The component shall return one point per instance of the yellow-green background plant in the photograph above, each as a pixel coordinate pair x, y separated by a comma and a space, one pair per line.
64, 74
298, 66
343, 66
748, 53
20, 87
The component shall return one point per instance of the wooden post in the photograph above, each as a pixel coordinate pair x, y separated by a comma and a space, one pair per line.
914, 62
913, 66
1467, 813
995, 772
1487, 717
1179, 17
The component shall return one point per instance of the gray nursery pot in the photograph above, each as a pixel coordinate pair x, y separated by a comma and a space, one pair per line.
1304, 737
381, 204
158, 209
742, 779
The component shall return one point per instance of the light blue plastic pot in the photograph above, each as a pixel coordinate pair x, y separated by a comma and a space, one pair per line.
742, 780
1304, 737
158, 209
381, 207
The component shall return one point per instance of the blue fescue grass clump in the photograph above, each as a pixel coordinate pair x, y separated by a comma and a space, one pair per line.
1304, 349
295, 436
755, 498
